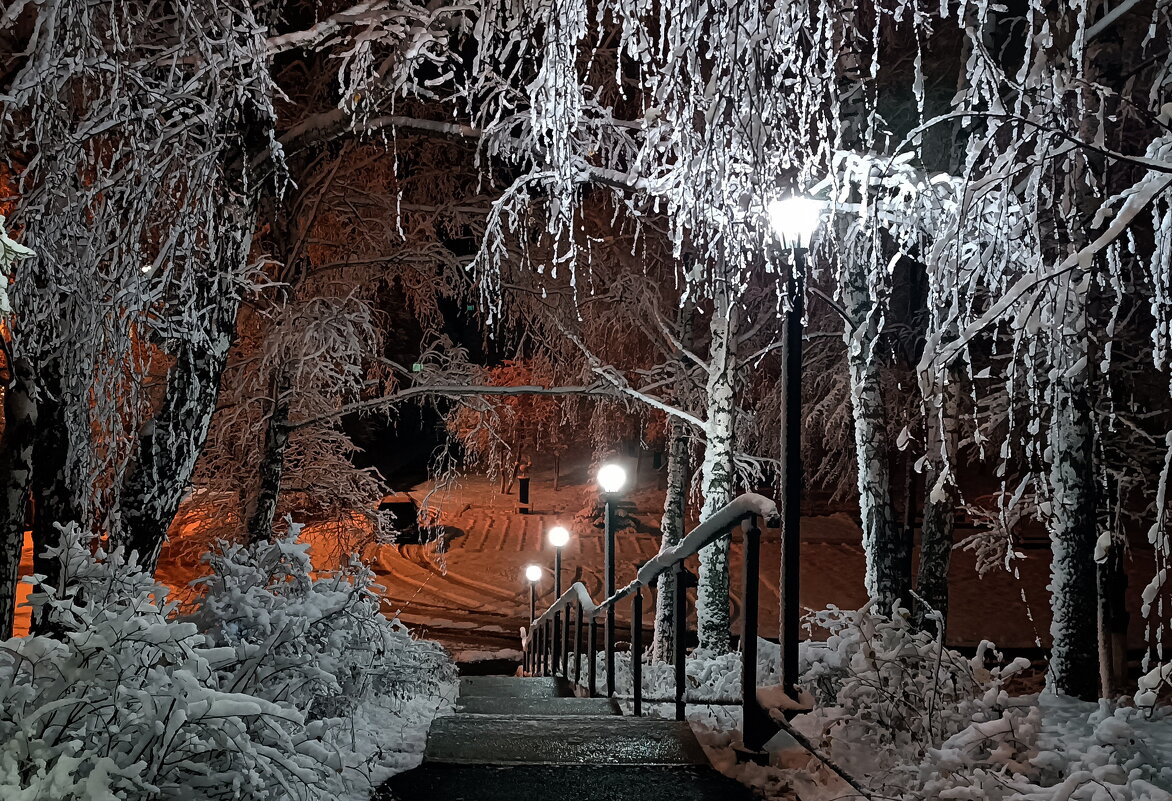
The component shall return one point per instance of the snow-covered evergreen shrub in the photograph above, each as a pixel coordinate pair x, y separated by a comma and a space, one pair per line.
131, 704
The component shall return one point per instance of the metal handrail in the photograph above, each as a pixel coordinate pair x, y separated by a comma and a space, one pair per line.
545, 641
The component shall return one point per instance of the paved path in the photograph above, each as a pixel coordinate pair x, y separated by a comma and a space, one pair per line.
529, 739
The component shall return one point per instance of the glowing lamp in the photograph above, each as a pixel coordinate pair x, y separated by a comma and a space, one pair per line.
611, 477
558, 536
794, 219
533, 573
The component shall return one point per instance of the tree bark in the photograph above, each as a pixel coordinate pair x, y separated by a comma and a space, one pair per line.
20, 420
56, 501
172, 440
672, 531
1113, 619
940, 499
888, 577
272, 466
717, 473
1073, 524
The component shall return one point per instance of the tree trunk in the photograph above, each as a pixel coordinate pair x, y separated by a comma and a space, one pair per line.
717, 473
940, 499
272, 466
888, 576
672, 531
20, 420
1072, 519
1113, 619
170, 443
56, 501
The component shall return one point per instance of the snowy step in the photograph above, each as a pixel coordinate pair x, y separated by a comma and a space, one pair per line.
562, 783
536, 707
612, 740
513, 687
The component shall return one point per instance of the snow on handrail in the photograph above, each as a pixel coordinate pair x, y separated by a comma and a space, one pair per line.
748, 505
744, 506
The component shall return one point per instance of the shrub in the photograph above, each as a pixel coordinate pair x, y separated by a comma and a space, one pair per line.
254, 696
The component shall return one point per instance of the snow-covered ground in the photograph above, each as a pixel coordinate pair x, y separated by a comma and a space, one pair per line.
907, 720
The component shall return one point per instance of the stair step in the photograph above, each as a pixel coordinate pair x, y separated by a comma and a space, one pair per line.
613, 740
514, 687
562, 783
536, 707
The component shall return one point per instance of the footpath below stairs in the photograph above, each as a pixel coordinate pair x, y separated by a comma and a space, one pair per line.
530, 739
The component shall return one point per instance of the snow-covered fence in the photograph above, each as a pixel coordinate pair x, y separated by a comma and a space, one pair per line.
546, 641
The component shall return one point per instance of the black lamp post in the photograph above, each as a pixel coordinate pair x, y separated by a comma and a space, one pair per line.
532, 575
794, 220
611, 479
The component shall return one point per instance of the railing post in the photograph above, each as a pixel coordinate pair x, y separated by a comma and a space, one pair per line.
566, 644
637, 650
548, 647
555, 646
750, 591
527, 653
578, 645
591, 668
681, 621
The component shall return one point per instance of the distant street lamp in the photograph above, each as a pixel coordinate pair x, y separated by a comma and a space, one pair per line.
794, 220
611, 479
559, 537
533, 575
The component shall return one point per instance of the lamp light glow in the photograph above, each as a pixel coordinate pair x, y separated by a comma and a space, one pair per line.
794, 219
612, 477
558, 536
533, 573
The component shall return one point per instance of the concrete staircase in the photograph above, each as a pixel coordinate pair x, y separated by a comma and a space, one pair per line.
530, 739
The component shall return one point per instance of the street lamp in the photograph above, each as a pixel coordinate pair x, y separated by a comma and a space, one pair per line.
558, 536
533, 575
611, 479
794, 220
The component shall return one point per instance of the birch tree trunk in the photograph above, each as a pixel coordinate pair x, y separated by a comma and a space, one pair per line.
888, 565
888, 578
172, 440
1112, 619
675, 501
672, 531
940, 499
717, 472
169, 444
272, 466
1072, 519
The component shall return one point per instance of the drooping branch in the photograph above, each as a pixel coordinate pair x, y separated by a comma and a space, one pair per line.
450, 391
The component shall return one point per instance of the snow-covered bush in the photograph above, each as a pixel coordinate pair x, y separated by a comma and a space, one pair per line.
912, 719
321, 644
130, 703
1053, 748
275, 688
883, 683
